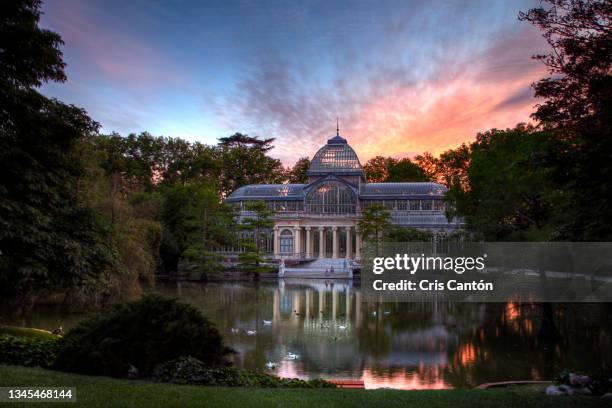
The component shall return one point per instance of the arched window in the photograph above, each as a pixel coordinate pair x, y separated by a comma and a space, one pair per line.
286, 242
331, 197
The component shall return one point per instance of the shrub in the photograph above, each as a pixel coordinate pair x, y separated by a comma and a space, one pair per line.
189, 370
142, 334
28, 351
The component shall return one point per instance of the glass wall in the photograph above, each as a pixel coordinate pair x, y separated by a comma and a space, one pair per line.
331, 197
407, 205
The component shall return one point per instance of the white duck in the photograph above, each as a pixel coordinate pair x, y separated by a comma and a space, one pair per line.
292, 356
267, 322
341, 327
270, 365
234, 330
251, 332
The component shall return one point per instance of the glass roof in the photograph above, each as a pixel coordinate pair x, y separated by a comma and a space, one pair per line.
267, 191
335, 156
401, 189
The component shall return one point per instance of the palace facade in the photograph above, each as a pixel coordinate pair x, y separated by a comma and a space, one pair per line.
319, 219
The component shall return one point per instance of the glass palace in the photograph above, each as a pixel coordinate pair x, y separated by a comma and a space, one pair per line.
319, 219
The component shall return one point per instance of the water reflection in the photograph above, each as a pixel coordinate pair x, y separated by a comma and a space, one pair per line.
430, 345
401, 345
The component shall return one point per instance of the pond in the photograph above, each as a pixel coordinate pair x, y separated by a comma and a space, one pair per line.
321, 328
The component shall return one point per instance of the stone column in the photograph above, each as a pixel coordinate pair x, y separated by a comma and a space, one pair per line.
296, 241
276, 241
358, 245
349, 243
321, 242
335, 242
308, 243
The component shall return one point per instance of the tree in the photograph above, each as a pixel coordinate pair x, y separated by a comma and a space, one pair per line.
49, 237
405, 234
403, 171
244, 160
511, 194
578, 108
449, 168
256, 227
580, 35
376, 169
297, 174
374, 223
212, 226
381, 169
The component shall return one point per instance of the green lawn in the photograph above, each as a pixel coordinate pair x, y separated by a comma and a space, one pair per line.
107, 392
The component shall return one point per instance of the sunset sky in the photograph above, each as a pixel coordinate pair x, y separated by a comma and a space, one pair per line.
404, 77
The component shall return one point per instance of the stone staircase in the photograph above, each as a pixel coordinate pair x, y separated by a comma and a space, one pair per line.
318, 268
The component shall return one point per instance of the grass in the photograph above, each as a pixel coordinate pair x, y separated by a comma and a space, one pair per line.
26, 332
105, 392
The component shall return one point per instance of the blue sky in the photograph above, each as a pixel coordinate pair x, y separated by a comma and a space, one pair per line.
404, 77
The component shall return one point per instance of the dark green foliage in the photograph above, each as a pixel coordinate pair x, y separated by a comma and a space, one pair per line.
28, 351
388, 170
30, 55
188, 370
245, 161
374, 224
143, 334
297, 173
254, 230
577, 106
196, 223
402, 234
49, 237
511, 193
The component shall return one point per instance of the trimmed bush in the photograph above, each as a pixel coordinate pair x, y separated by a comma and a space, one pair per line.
137, 336
189, 370
28, 351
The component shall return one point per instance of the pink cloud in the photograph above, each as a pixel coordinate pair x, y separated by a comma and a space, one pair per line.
388, 111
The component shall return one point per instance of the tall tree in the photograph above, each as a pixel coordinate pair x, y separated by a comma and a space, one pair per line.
49, 238
578, 106
512, 194
245, 161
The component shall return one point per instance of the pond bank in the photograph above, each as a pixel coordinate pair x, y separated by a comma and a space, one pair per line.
103, 392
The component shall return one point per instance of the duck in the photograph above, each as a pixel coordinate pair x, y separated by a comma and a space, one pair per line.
234, 330
341, 327
251, 332
58, 331
292, 356
267, 322
270, 365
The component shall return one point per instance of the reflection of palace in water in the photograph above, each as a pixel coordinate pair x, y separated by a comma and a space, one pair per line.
425, 345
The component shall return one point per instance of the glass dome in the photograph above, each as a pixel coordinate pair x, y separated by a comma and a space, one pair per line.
335, 157
331, 197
